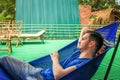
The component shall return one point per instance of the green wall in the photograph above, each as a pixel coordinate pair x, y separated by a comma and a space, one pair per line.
47, 11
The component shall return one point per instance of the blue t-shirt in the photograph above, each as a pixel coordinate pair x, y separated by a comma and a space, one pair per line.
70, 61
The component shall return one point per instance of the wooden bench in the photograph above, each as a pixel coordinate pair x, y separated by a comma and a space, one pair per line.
36, 35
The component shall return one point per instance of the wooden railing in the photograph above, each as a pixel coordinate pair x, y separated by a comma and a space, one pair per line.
9, 30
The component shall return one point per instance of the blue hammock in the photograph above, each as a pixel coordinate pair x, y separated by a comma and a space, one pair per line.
87, 70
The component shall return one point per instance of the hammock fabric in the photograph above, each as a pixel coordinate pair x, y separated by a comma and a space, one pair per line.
87, 70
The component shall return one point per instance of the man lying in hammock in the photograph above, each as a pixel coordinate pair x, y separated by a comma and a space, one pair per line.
89, 44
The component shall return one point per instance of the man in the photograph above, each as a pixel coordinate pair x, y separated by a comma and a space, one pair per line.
89, 43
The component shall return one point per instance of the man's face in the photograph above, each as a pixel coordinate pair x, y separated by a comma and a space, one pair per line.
84, 42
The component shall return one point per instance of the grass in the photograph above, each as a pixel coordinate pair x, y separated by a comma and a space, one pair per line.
30, 52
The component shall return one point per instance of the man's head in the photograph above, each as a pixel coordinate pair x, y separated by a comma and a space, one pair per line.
91, 39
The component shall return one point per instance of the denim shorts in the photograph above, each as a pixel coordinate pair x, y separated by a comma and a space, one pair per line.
20, 70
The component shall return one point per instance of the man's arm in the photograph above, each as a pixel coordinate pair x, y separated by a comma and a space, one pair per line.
83, 31
58, 70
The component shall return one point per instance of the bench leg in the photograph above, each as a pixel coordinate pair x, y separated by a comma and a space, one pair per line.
9, 46
42, 38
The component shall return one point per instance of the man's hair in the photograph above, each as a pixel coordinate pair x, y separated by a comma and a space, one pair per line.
95, 36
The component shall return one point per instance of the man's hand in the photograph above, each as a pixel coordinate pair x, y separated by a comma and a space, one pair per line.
55, 56
58, 70
100, 50
83, 31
